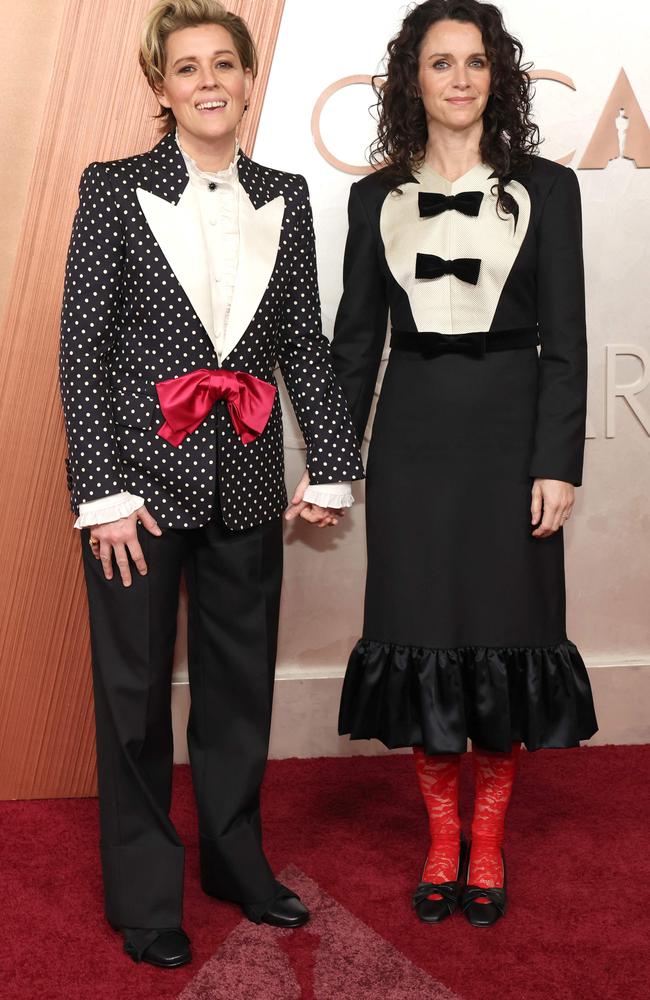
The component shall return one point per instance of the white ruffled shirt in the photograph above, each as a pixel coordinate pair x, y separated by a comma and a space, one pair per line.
217, 200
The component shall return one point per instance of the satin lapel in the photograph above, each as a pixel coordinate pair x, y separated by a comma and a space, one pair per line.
177, 231
169, 205
259, 242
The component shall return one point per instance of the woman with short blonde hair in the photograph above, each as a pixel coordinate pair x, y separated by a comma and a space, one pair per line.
166, 17
201, 269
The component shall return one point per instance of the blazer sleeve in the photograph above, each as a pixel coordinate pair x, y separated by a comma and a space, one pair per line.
360, 327
562, 394
304, 356
91, 297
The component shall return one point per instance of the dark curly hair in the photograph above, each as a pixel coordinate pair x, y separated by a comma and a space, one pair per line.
509, 136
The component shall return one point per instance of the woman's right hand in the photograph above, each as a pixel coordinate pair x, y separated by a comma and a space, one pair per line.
551, 505
120, 537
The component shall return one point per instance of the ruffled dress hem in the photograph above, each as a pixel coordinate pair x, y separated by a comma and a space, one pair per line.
441, 698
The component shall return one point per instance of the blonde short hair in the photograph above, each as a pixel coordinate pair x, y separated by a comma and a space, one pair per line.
167, 16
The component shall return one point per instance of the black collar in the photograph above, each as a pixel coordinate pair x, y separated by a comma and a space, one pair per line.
167, 176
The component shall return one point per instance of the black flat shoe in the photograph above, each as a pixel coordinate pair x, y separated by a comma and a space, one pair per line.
166, 949
434, 911
485, 914
285, 910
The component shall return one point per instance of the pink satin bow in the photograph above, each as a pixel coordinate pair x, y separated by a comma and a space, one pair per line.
186, 401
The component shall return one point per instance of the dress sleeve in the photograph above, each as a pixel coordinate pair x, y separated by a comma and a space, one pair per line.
562, 397
360, 328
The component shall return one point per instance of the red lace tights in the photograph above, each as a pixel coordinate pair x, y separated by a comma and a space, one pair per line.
438, 779
495, 775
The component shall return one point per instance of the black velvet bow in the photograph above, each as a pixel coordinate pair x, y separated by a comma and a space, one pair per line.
496, 895
429, 266
467, 202
433, 344
450, 891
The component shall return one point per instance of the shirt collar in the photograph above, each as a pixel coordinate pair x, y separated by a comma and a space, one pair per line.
227, 176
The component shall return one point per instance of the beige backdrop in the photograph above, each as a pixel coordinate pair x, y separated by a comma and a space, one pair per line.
72, 92
77, 95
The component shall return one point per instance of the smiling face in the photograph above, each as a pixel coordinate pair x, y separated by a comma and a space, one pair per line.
453, 75
205, 86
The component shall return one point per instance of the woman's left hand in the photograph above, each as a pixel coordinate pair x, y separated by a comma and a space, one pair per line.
552, 503
322, 516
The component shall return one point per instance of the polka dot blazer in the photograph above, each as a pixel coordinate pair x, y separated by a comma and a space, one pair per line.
128, 323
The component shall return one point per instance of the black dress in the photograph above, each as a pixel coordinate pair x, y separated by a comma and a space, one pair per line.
464, 629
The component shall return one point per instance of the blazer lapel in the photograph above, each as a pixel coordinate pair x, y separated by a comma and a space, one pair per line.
259, 241
172, 213
169, 205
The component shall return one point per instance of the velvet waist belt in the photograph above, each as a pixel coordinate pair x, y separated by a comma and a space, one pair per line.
430, 345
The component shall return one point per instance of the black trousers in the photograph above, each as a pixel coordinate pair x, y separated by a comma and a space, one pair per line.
234, 581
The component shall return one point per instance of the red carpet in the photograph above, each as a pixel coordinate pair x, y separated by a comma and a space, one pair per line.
350, 835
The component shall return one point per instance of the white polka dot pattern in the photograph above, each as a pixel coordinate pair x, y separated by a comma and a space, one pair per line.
127, 324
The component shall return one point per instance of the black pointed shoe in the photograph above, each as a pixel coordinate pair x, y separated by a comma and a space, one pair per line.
167, 949
485, 914
285, 910
434, 911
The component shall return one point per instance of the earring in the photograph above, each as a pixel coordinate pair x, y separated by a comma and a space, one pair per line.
246, 107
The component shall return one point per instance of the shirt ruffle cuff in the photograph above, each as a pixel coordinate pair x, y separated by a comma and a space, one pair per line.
107, 509
334, 495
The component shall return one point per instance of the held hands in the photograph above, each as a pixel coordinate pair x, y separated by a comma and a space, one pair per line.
322, 516
552, 503
119, 536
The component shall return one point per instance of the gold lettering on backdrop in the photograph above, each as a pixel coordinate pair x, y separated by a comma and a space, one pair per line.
628, 390
566, 81
346, 81
622, 130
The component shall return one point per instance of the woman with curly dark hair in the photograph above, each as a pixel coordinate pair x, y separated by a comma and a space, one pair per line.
473, 243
